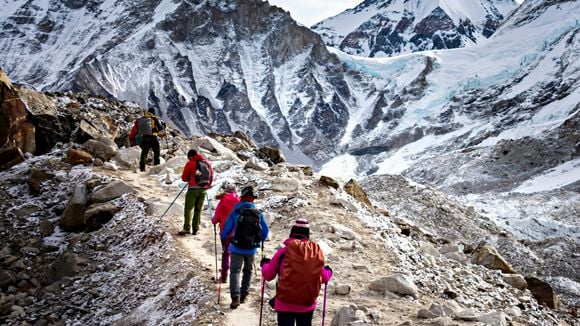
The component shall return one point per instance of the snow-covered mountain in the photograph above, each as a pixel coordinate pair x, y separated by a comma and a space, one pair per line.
208, 65
384, 28
222, 66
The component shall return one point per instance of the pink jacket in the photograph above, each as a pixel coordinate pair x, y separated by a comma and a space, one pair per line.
269, 272
224, 207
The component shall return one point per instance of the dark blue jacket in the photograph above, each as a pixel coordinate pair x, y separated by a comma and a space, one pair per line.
230, 226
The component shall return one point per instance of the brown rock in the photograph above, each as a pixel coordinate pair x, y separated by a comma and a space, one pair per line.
516, 280
489, 257
78, 156
357, 192
543, 292
37, 177
17, 133
329, 182
273, 154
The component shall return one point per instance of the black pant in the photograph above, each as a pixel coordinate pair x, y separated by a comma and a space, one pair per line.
301, 319
148, 143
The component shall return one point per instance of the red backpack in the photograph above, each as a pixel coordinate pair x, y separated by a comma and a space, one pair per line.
300, 279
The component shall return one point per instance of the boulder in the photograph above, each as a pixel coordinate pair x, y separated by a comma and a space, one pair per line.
256, 164
515, 280
78, 156
399, 284
67, 265
72, 218
98, 215
344, 316
175, 164
494, 318
101, 149
37, 177
343, 232
489, 257
213, 146
157, 208
342, 289
329, 182
7, 278
114, 189
274, 155
98, 125
543, 292
128, 158
354, 189
17, 132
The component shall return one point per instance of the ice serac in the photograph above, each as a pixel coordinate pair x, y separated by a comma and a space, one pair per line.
207, 65
384, 28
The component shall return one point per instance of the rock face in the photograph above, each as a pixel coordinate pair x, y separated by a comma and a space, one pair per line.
17, 133
380, 28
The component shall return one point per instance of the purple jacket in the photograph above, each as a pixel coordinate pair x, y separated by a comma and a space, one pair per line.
269, 272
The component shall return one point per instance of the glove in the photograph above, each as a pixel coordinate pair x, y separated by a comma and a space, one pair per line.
264, 261
328, 268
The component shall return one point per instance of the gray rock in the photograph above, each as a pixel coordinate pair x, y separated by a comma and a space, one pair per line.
429, 250
399, 284
256, 164
69, 264
156, 208
113, 190
494, 318
444, 321
7, 278
467, 315
101, 150
99, 214
516, 280
343, 232
342, 289
45, 228
128, 157
72, 218
344, 317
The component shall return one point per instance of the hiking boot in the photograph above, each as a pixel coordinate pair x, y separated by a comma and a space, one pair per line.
235, 302
193, 232
243, 297
183, 232
224, 280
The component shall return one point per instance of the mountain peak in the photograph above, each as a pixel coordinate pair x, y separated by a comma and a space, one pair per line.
383, 28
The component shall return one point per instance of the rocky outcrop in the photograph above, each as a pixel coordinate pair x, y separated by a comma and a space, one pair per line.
354, 189
17, 133
490, 258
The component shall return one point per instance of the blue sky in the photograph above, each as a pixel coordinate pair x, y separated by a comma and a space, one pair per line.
310, 12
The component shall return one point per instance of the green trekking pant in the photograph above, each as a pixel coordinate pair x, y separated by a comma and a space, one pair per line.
193, 201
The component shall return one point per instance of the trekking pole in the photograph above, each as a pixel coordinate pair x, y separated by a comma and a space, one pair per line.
262, 299
173, 202
219, 289
214, 237
324, 303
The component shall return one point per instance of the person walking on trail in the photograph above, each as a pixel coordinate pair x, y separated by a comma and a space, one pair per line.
144, 133
249, 229
301, 271
198, 173
228, 199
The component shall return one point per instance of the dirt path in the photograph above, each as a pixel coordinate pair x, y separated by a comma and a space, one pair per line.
200, 247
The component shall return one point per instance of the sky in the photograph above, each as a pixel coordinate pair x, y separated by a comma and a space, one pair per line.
310, 12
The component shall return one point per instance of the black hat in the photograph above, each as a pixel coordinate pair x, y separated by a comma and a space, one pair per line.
151, 110
300, 229
248, 192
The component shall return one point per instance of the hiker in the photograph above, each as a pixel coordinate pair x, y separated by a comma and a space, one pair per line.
228, 199
301, 271
249, 229
198, 173
144, 133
